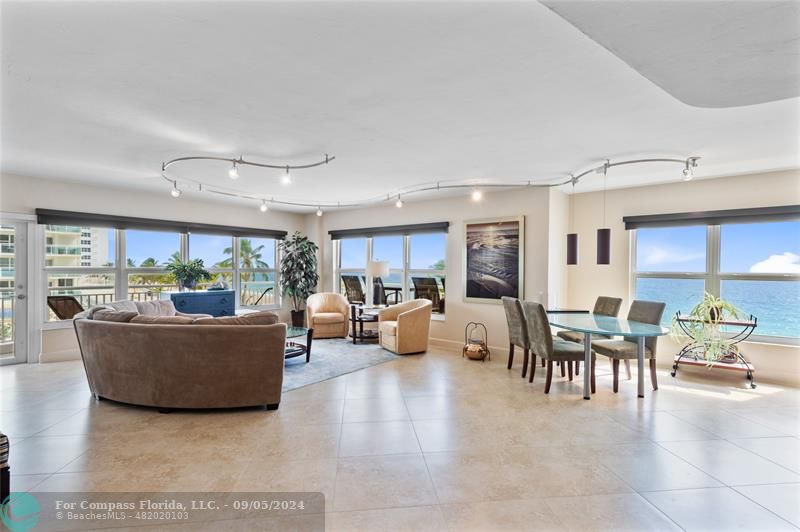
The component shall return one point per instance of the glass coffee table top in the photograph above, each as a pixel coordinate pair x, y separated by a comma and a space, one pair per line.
294, 332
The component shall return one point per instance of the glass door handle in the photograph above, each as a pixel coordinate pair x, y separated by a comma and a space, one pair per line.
20, 296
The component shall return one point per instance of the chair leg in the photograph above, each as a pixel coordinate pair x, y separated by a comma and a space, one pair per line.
592, 377
569, 369
542, 362
525, 363
615, 370
563, 369
653, 378
577, 367
628, 368
533, 367
549, 377
510, 355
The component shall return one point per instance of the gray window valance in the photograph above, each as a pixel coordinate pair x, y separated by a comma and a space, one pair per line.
729, 216
364, 232
85, 219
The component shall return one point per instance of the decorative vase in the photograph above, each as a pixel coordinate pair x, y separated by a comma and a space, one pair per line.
298, 318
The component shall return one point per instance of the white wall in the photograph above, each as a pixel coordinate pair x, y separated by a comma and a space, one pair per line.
23, 195
532, 203
587, 280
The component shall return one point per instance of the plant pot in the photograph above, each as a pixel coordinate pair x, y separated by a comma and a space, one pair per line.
298, 318
188, 284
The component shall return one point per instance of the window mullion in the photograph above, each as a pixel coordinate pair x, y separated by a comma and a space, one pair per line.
121, 283
712, 260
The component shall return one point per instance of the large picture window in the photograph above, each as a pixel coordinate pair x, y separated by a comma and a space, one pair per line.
81, 268
756, 266
416, 267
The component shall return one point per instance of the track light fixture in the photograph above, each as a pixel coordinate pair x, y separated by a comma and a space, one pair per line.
233, 173
175, 192
688, 164
263, 207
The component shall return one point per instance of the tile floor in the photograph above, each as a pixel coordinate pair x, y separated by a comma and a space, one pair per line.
436, 442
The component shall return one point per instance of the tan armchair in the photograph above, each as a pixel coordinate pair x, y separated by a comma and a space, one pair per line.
328, 314
404, 328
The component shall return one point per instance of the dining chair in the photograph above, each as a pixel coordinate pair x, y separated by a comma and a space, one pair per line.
517, 331
625, 349
551, 349
605, 306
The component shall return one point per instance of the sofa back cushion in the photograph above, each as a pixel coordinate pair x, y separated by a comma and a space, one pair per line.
172, 320
159, 307
124, 304
113, 315
265, 317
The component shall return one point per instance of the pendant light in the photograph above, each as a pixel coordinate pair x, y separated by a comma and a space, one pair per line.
604, 234
572, 238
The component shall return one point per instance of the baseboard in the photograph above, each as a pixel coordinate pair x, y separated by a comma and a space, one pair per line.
59, 356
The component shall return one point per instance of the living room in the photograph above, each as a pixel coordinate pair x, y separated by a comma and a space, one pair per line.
538, 271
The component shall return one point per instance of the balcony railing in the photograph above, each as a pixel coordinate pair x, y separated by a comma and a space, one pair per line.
6, 317
63, 229
62, 250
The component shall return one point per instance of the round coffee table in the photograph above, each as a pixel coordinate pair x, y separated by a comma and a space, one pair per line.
294, 349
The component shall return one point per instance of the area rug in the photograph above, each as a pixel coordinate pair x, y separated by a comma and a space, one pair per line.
331, 358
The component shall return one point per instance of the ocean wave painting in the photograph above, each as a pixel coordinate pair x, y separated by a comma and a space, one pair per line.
494, 250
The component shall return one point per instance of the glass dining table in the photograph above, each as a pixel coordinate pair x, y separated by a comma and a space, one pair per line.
590, 324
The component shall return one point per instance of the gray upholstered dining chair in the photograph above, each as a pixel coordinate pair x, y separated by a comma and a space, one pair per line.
517, 331
550, 349
605, 306
625, 349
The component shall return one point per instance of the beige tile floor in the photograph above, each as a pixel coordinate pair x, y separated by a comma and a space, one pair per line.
436, 442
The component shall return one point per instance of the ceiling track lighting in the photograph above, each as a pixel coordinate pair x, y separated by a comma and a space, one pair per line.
399, 202
263, 207
688, 173
175, 192
233, 173
688, 163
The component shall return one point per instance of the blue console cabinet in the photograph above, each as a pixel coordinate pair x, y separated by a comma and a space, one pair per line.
214, 302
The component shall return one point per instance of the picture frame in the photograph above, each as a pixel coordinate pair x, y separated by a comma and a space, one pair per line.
493, 259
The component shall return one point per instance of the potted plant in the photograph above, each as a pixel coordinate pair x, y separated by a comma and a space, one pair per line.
189, 273
705, 328
299, 275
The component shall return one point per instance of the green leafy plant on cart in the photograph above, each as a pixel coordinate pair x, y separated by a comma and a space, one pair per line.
704, 327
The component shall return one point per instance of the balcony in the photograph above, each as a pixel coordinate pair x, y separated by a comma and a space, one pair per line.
62, 250
63, 229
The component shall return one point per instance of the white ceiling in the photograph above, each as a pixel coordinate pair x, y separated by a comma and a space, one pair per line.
401, 93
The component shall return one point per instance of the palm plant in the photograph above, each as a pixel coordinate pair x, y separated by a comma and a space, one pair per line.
249, 258
189, 273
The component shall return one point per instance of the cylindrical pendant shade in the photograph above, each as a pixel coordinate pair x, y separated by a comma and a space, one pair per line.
604, 246
572, 248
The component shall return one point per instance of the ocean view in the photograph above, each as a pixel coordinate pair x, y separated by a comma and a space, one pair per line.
774, 303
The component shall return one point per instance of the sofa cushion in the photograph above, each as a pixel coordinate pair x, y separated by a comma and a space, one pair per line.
265, 317
389, 327
124, 304
172, 320
328, 317
113, 315
158, 307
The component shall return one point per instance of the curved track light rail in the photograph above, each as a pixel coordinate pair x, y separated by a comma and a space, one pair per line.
688, 162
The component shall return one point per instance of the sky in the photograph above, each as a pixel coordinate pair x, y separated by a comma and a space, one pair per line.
772, 247
141, 245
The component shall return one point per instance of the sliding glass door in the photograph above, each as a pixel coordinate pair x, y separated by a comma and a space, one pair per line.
13, 293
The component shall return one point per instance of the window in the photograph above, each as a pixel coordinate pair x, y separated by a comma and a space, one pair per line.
89, 273
257, 271
88, 278
147, 254
216, 252
756, 266
416, 266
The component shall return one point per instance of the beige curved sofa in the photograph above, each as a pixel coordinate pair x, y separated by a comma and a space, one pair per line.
404, 328
183, 365
328, 314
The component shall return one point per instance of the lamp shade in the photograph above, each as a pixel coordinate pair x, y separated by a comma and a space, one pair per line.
378, 268
572, 248
604, 246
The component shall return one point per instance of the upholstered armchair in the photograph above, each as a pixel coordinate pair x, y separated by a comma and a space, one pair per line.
327, 314
404, 328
